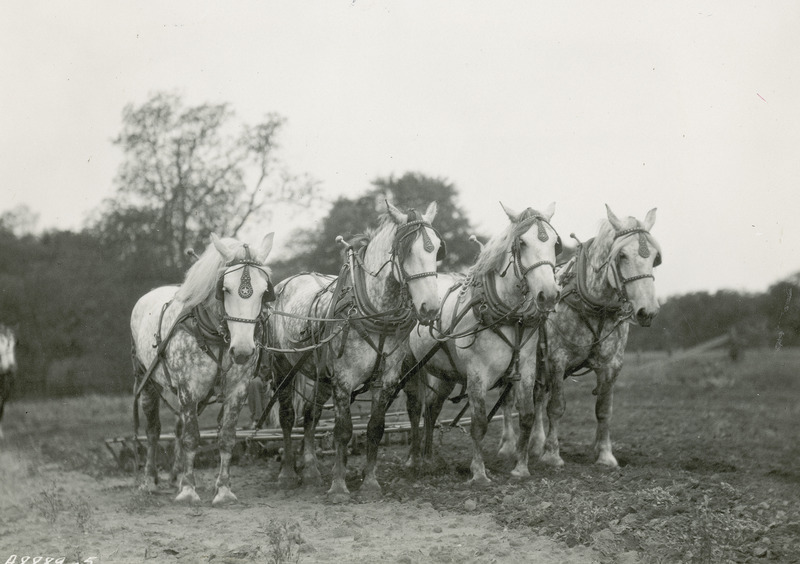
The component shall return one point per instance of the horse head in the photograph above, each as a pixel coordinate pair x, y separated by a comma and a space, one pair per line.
416, 250
534, 245
634, 253
243, 286
8, 361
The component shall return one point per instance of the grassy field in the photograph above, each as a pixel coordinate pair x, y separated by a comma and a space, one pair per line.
708, 451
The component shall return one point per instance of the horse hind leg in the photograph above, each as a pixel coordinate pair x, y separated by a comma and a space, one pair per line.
287, 477
555, 410
177, 459
413, 410
434, 404
312, 413
149, 401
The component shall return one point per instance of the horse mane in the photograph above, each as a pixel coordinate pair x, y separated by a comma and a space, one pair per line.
492, 255
201, 278
383, 236
605, 246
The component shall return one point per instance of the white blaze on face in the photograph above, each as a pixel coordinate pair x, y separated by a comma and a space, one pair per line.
542, 286
420, 260
424, 293
240, 303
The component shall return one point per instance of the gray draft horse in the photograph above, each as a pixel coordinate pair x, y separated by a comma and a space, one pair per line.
605, 288
487, 334
356, 325
205, 340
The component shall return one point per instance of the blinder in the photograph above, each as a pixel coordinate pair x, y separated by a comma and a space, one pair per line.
442, 252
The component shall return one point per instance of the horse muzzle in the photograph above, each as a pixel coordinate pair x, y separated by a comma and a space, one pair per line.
241, 356
426, 315
645, 317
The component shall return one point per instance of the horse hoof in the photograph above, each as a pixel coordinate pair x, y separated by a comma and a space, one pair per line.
552, 459
607, 460
479, 481
224, 496
188, 495
507, 450
370, 490
520, 473
338, 497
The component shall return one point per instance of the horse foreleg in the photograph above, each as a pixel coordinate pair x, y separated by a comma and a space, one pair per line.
342, 433
190, 440
227, 441
508, 438
538, 433
478, 427
555, 410
524, 393
287, 478
603, 410
312, 413
149, 402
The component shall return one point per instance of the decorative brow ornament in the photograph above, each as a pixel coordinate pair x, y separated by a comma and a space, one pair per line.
245, 285
644, 249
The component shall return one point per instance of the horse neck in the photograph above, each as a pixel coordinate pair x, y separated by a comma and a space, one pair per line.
383, 290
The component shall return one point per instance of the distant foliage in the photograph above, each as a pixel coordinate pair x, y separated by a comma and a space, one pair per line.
769, 319
317, 251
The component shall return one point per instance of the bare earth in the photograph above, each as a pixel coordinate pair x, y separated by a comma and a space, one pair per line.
268, 525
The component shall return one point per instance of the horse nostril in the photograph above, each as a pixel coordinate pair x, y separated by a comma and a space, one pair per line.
644, 317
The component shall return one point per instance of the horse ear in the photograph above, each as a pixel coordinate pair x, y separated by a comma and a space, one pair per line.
548, 213
650, 219
613, 219
222, 248
398, 216
512, 215
430, 213
266, 247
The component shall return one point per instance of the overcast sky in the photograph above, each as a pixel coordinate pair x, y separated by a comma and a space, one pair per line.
690, 107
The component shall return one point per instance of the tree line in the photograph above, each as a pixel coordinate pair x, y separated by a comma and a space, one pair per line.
189, 171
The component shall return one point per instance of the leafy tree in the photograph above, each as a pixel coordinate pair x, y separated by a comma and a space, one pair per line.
349, 217
20, 220
415, 190
188, 171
